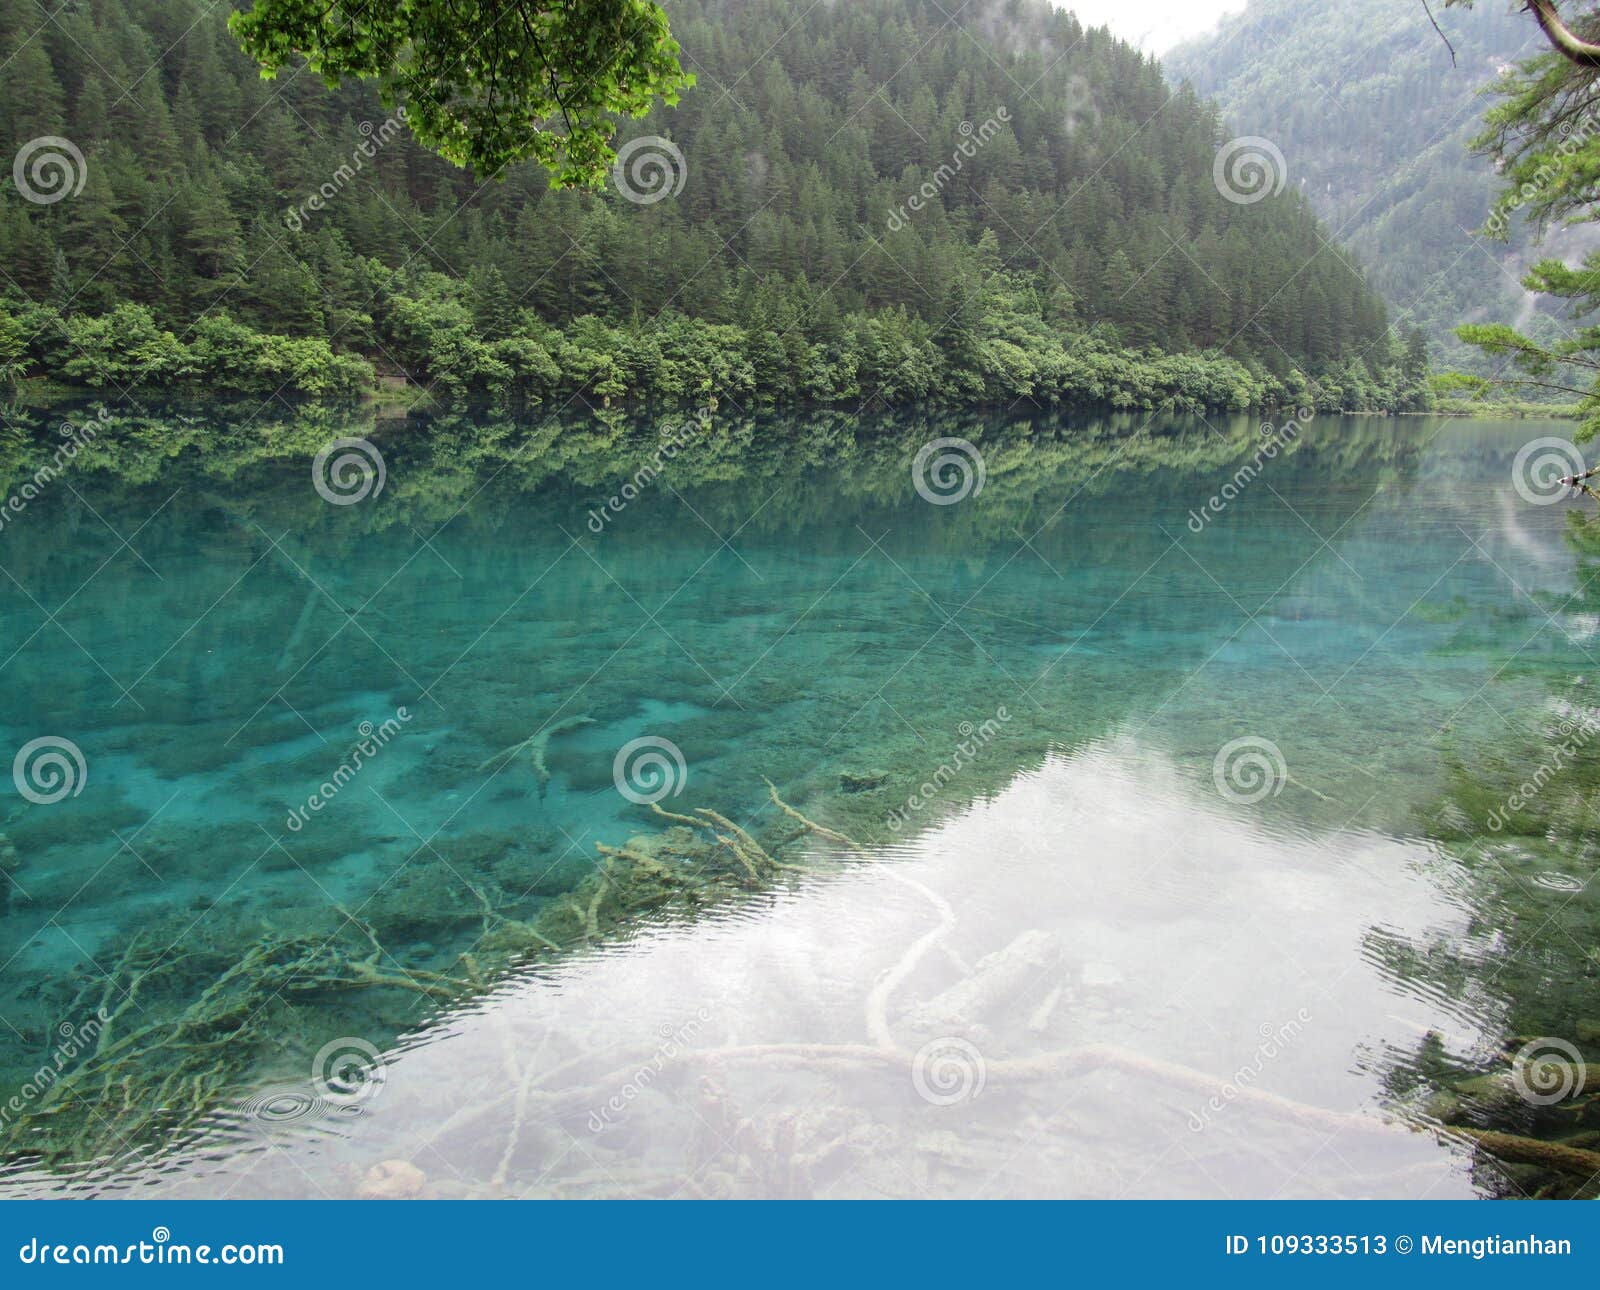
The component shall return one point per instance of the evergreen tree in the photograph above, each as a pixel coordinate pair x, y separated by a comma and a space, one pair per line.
876, 211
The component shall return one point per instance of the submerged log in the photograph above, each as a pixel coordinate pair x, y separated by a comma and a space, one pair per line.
1517, 1149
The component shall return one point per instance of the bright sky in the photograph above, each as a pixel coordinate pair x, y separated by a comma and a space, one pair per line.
1153, 25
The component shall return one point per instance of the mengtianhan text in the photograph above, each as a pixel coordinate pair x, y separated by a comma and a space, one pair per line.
1482, 1247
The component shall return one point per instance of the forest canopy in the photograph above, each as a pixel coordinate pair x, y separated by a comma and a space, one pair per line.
1375, 124
875, 203
487, 84
1544, 137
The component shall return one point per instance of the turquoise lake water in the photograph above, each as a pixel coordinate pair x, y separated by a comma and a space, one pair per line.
1151, 844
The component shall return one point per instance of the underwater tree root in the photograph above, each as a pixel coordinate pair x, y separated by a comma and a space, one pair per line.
168, 1074
540, 1096
809, 825
151, 1080
705, 856
170, 1051
1516, 1149
537, 744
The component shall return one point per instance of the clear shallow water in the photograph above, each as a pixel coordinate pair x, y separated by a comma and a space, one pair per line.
1071, 965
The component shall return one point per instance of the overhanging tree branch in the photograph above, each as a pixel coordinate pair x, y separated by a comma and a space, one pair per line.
1562, 38
1428, 9
550, 72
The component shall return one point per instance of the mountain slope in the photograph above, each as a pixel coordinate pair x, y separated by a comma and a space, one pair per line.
984, 189
1374, 123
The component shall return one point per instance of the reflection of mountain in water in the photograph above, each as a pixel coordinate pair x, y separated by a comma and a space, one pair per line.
1084, 985
778, 604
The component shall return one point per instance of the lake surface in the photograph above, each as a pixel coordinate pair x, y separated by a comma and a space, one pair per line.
1148, 821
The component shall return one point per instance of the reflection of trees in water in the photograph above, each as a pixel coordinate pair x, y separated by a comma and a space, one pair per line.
248, 985
1519, 831
437, 464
